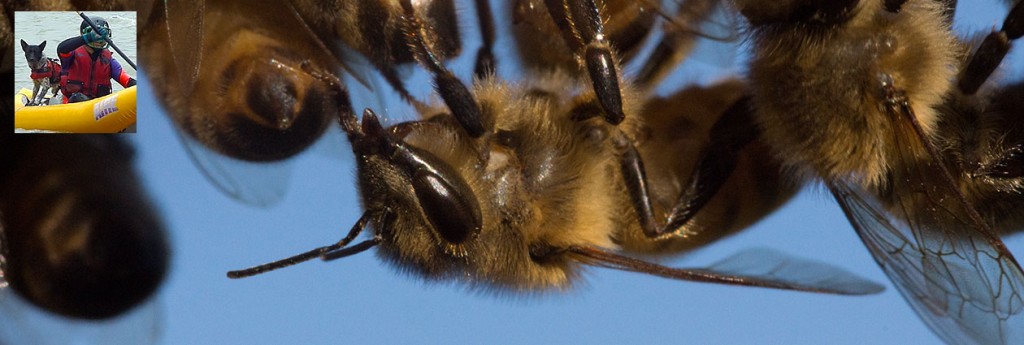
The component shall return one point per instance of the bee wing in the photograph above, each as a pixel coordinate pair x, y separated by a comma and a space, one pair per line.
185, 28
702, 30
723, 43
756, 267
940, 253
715, 21
966, 289
768, 264
24, 323
259, 184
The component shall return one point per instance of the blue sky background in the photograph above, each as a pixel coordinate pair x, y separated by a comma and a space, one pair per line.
360, 300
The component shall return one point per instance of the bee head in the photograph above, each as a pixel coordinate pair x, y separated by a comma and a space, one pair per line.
416, 185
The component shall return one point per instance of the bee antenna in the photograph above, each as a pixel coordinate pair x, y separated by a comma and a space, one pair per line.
454, 93
349, 251
330, 252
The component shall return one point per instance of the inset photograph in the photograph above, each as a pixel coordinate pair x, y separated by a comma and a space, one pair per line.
75, 72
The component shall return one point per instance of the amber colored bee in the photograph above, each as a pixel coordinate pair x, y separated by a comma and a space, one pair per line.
516, 186
884, 104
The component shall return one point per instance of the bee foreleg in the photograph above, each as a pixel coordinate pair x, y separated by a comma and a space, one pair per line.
991, 52
391, 76
581, 25
485, 62
676, 44
729, 135
635, 178
456, 96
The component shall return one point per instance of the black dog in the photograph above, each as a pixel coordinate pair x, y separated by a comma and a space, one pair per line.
45, 72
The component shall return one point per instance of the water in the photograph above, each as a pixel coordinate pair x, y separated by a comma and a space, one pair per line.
55, 27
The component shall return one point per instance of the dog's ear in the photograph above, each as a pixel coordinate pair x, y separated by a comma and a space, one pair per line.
42, 46
24, 46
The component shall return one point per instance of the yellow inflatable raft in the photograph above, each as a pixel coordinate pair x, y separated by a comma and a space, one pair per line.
108, 114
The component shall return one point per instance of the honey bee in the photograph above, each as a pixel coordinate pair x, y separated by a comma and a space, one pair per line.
78, 238
517, 186
861, 95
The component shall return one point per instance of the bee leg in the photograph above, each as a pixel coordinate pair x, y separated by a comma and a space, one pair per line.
730, 135
636, 184
391, 76
581, 26
1009, 165
991, 52
485, 62
454, 93
676, 44
346, 117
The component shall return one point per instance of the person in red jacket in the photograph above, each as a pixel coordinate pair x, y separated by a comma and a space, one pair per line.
87, 65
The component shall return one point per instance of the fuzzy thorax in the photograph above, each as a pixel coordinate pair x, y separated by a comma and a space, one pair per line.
820, 90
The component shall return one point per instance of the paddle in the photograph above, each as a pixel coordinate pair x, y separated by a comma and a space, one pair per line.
105, 38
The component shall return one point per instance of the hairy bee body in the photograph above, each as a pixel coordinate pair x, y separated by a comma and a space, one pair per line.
375, 29
881, 102
530, 182
827, 77
982, 134
546, 179
516, 185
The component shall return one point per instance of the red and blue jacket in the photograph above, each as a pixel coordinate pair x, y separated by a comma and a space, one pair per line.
89, 74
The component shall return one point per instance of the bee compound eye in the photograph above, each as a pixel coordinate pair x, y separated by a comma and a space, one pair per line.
450, 207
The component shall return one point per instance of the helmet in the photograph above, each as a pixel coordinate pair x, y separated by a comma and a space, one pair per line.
94, 39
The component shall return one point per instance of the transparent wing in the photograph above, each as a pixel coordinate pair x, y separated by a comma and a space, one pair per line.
768, 264
253, 183
943, 257
964, 288
706, 31
757, 268
722, 32
185, 30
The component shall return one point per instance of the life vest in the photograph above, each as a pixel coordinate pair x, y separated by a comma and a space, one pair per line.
85, 76
50, 70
